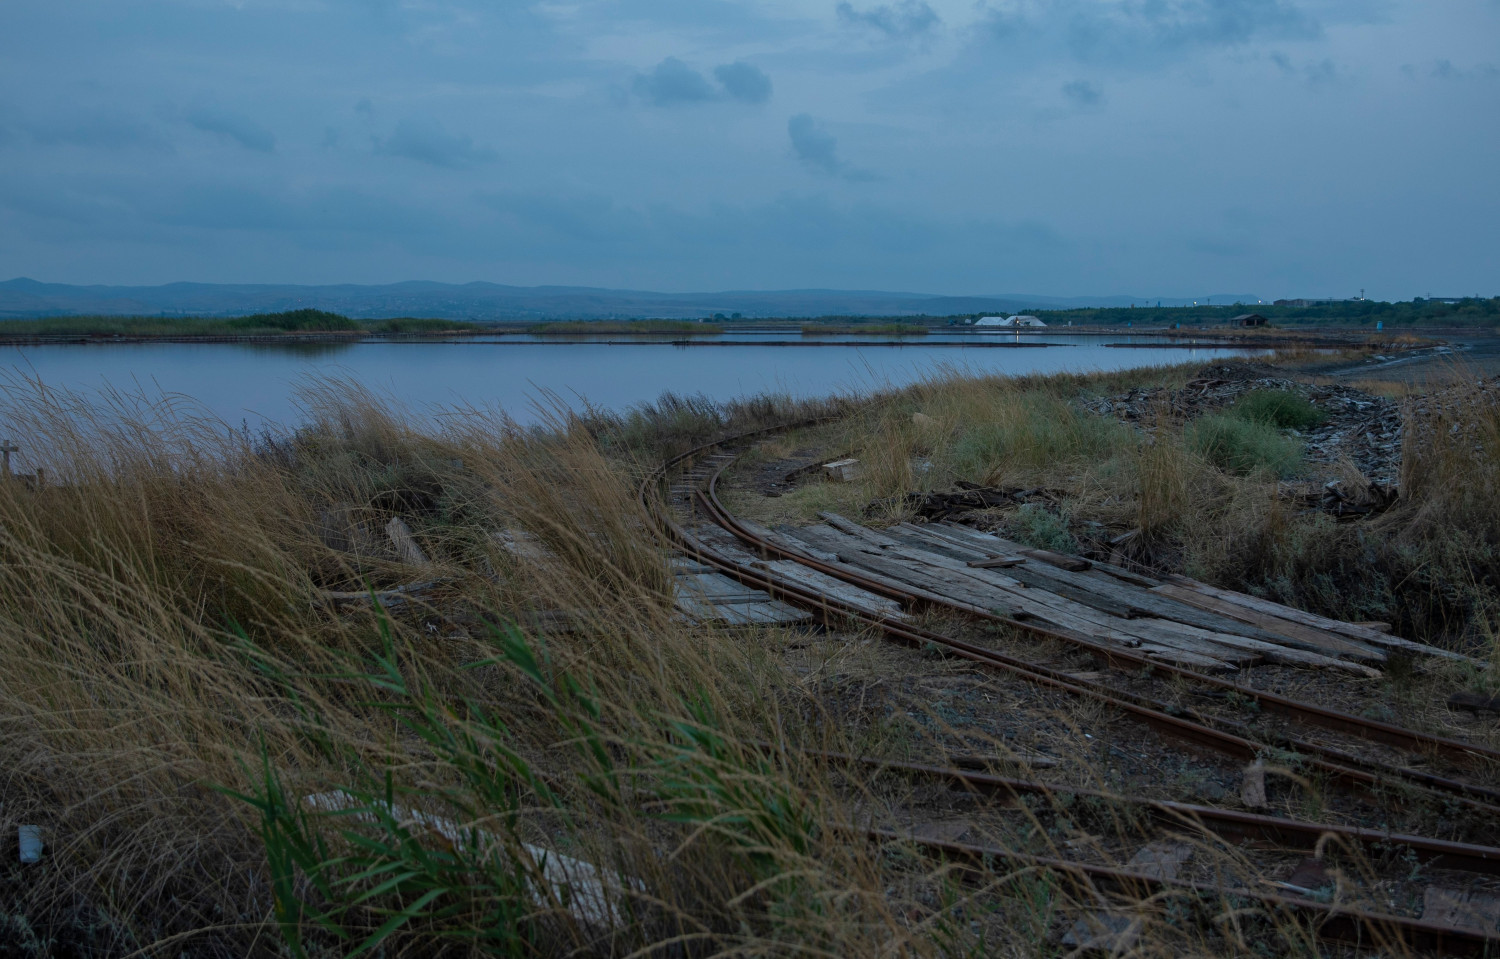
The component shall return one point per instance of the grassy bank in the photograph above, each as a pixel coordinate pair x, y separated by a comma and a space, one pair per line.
878, 329
230, 751
259, 324
576, 327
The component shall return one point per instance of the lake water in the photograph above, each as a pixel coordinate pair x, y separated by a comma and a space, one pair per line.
254, 383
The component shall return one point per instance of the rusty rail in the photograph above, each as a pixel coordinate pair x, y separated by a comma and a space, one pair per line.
1333, 921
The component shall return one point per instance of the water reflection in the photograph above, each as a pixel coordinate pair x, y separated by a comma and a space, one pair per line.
254, 382
308, 349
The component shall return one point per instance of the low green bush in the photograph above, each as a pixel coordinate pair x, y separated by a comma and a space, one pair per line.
1043, 529
296, 321
1243, 446
1283, 409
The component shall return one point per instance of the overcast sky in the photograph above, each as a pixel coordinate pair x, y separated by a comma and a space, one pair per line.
1067, 147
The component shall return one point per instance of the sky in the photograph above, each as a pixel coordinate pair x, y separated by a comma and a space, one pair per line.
1060, 147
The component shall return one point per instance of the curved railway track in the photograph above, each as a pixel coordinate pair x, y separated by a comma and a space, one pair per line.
694, 498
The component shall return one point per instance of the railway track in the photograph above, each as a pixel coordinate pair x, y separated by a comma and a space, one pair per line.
1375, 763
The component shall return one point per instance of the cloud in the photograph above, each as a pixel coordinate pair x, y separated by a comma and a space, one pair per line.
97, 129
674, 82
901, 20
1095, 32
744, 81
427, 142
814, 145
232, 126
1314, 74
1445, 69
1083, 93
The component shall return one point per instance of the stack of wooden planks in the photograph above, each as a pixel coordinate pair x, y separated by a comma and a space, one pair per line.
700, 593
1173, 619
704, 595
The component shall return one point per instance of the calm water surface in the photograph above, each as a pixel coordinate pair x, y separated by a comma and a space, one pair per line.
255, 384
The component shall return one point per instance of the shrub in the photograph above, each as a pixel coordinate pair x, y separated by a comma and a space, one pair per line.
1283, 409
1043, 529
1243, 446
1029, 430
299, 321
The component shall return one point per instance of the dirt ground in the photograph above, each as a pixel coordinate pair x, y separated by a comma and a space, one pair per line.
1472, 351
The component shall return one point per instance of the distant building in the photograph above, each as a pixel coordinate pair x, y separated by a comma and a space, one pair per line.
1003, 321
1306, 302
1249, 319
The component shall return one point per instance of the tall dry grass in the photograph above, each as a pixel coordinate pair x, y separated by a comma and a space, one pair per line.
179, 681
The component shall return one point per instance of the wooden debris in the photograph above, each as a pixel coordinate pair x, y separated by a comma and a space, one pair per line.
406, 544
594, 894
1350, 630
1180, 621
999, 562
386, 597
1475, 909
934, 506
1474, 702
842, 471
1308, 637
712, 597
1073, 564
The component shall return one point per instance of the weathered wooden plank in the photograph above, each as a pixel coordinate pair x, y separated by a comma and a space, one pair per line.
767, 612
909, 577
1162, 604
405, 543
943, 576
851, 528
906, 567
1166, 631
1475, 909
1475, 702
866, 560
778, 539
1166, 638
838, 589
956, 560
1330, 643
716, 588
1361, 633
999, 545
725, 543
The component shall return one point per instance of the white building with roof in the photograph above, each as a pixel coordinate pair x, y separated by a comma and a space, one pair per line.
1009, 321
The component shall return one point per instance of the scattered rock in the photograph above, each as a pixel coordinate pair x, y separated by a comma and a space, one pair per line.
1361, 428
1253, 786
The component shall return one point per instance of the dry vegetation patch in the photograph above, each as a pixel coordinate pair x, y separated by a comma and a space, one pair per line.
250, 719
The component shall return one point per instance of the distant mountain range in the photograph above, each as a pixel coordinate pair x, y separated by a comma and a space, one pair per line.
22, 298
